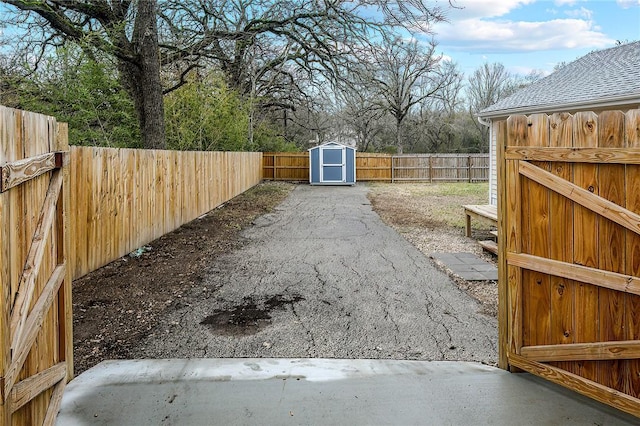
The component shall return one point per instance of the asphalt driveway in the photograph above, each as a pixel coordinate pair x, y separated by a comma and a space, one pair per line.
324, 277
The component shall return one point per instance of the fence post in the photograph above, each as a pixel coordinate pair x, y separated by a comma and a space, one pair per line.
275, 166
431, 169
469, 166
393, 169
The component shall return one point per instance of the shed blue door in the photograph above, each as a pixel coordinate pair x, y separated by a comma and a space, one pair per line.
333, 164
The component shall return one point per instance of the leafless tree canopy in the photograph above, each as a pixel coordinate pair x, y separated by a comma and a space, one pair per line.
262, 46
406, 74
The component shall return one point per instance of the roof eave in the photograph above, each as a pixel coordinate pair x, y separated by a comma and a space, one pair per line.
600, 104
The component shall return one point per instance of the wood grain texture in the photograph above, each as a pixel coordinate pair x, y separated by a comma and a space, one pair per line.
63, 243
32, 224
632, 303
576, 155
26, 390
582, 229
503, 275
54, 404
13, 174
593, 276
612, 235
125, 198
26, 289
561, 238
536, 284
596, 204
37, 139
585, 239
6, 236
516, 130
579, 384
32, 327
615, 350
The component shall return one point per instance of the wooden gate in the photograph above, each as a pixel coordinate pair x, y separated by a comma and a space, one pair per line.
569, 226
35, 305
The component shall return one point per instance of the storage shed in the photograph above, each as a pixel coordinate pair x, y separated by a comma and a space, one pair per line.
332, 164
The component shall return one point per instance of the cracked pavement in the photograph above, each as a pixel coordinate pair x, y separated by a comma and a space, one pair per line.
362, 291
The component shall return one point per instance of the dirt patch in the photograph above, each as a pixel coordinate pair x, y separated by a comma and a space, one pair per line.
431, 217
118, 305
248, 317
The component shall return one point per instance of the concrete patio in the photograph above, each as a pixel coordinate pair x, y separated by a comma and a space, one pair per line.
270, 391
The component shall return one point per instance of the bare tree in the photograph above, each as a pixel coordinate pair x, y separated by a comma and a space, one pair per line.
438, 121
490, 83
250, 40
360, 111
406, 74
487, 85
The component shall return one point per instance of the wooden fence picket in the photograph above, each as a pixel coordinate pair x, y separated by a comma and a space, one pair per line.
125, 198
371, 167
570, 251
632, 303
35, 305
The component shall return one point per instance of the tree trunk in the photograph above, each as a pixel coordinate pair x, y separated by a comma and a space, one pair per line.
398, 135
142, 79
138, 59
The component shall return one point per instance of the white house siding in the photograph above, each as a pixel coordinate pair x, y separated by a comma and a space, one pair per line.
493, 164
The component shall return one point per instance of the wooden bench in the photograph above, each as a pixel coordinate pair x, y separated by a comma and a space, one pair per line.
485, 212
490, 246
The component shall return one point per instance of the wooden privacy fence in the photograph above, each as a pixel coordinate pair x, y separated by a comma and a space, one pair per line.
386, 168
64, 214
36, 352
122, 199
440, 168
569, 237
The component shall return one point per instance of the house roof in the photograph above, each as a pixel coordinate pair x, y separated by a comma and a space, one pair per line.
602, 79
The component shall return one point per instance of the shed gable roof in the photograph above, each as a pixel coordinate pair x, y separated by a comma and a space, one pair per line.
605, 77
331, 144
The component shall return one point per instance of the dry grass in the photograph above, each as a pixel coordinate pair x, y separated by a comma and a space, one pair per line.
431, 217
423, 204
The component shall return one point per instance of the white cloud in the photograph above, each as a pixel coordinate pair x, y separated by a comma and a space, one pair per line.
580, 13
519, 36
626, 4
522, 70
465, 9
565, 2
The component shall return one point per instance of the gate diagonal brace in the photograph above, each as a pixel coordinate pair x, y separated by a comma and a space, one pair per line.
586, 199
18, 172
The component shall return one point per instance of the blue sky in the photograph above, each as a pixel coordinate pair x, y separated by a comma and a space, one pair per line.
528, 35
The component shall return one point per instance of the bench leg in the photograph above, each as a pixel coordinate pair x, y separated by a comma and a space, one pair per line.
468, 226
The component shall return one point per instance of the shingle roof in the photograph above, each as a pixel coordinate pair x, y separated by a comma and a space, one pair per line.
600, 77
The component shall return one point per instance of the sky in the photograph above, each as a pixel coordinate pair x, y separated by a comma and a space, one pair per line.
527, 35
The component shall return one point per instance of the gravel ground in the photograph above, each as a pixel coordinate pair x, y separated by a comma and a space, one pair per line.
133, 306
431, 217
323, 276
